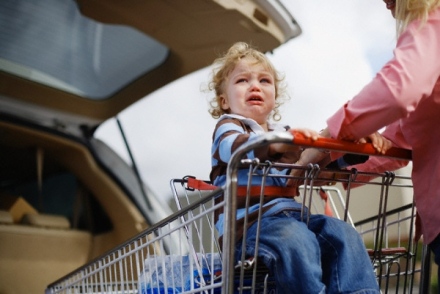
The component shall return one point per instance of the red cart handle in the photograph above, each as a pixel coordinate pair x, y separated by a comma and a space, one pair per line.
348, 147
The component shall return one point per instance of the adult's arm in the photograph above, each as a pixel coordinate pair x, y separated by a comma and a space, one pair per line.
399, 86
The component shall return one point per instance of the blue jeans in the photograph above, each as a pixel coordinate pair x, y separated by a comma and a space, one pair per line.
326, 257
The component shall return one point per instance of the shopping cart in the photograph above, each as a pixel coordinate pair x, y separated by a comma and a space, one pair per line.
149, 263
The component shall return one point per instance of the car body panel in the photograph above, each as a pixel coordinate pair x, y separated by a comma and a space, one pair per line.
193, 31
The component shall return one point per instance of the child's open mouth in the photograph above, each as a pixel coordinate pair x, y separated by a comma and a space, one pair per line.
255, 99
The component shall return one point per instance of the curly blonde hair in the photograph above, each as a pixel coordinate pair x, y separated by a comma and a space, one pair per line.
409, 10
224, 65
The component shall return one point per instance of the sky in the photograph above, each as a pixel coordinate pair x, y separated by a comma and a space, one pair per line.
342, 45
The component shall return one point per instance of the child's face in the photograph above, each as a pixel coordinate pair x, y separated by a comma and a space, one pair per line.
249, 90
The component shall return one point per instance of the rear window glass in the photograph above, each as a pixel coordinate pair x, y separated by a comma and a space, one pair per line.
52, 43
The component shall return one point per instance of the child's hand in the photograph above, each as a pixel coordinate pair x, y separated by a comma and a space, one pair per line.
308, 133
289, 150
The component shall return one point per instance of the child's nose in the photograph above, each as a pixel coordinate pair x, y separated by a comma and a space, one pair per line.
255, 85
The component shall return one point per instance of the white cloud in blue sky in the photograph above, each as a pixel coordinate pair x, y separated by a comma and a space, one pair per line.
344, 42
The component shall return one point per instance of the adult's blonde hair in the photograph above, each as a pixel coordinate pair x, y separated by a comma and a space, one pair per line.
225, 64
409, 10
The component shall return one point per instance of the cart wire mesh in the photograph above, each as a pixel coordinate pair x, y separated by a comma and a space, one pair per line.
201, 264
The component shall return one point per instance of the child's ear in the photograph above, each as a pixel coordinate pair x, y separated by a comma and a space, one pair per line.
224, 102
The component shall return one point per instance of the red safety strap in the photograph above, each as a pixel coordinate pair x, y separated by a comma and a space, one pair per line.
196, 184
243, 190
193, 183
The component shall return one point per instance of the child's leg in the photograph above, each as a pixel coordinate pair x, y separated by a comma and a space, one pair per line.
345, 262
290, 251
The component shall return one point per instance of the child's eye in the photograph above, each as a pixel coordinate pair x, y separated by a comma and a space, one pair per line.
265, 80
241, 80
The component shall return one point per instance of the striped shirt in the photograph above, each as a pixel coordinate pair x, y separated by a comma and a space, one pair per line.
230, 133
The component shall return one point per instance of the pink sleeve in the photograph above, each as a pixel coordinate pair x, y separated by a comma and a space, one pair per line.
396, 90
